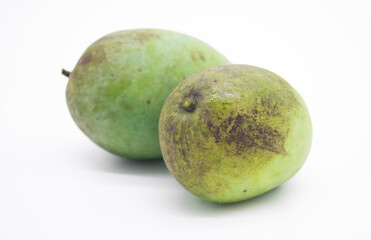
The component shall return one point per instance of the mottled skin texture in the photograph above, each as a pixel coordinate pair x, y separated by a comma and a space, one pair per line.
232, 132
117, 89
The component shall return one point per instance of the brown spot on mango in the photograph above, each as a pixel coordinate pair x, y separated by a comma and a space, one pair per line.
86, 59
143, 35
197, 55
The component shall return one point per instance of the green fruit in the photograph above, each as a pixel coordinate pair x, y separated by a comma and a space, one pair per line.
116, 91
230, 133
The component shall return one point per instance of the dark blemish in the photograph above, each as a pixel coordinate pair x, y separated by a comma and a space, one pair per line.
204, 115
171, 159
197, 55
217, 138
194, 93
170, 127
139, 69
85, 60
215, 130
112, 75
246, 131
215, 80
142, 36
244, 190
230, 120
148, 102
169, 134
235, 132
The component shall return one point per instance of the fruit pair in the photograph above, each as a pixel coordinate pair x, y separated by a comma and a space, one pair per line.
227, 132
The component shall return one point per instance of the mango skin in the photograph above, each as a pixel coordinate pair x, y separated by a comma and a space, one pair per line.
247, 132
117, 89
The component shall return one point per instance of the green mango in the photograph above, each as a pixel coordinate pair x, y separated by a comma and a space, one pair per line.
117, 89
229, 133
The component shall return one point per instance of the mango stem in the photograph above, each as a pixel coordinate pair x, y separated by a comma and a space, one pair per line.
189, 105
66, 73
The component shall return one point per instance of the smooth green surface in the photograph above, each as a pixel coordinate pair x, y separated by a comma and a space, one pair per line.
245, 132
117, 89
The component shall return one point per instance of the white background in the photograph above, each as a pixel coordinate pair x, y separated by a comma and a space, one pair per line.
56, 184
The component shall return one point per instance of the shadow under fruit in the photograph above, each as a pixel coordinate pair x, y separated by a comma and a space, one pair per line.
117, 89
229, 133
